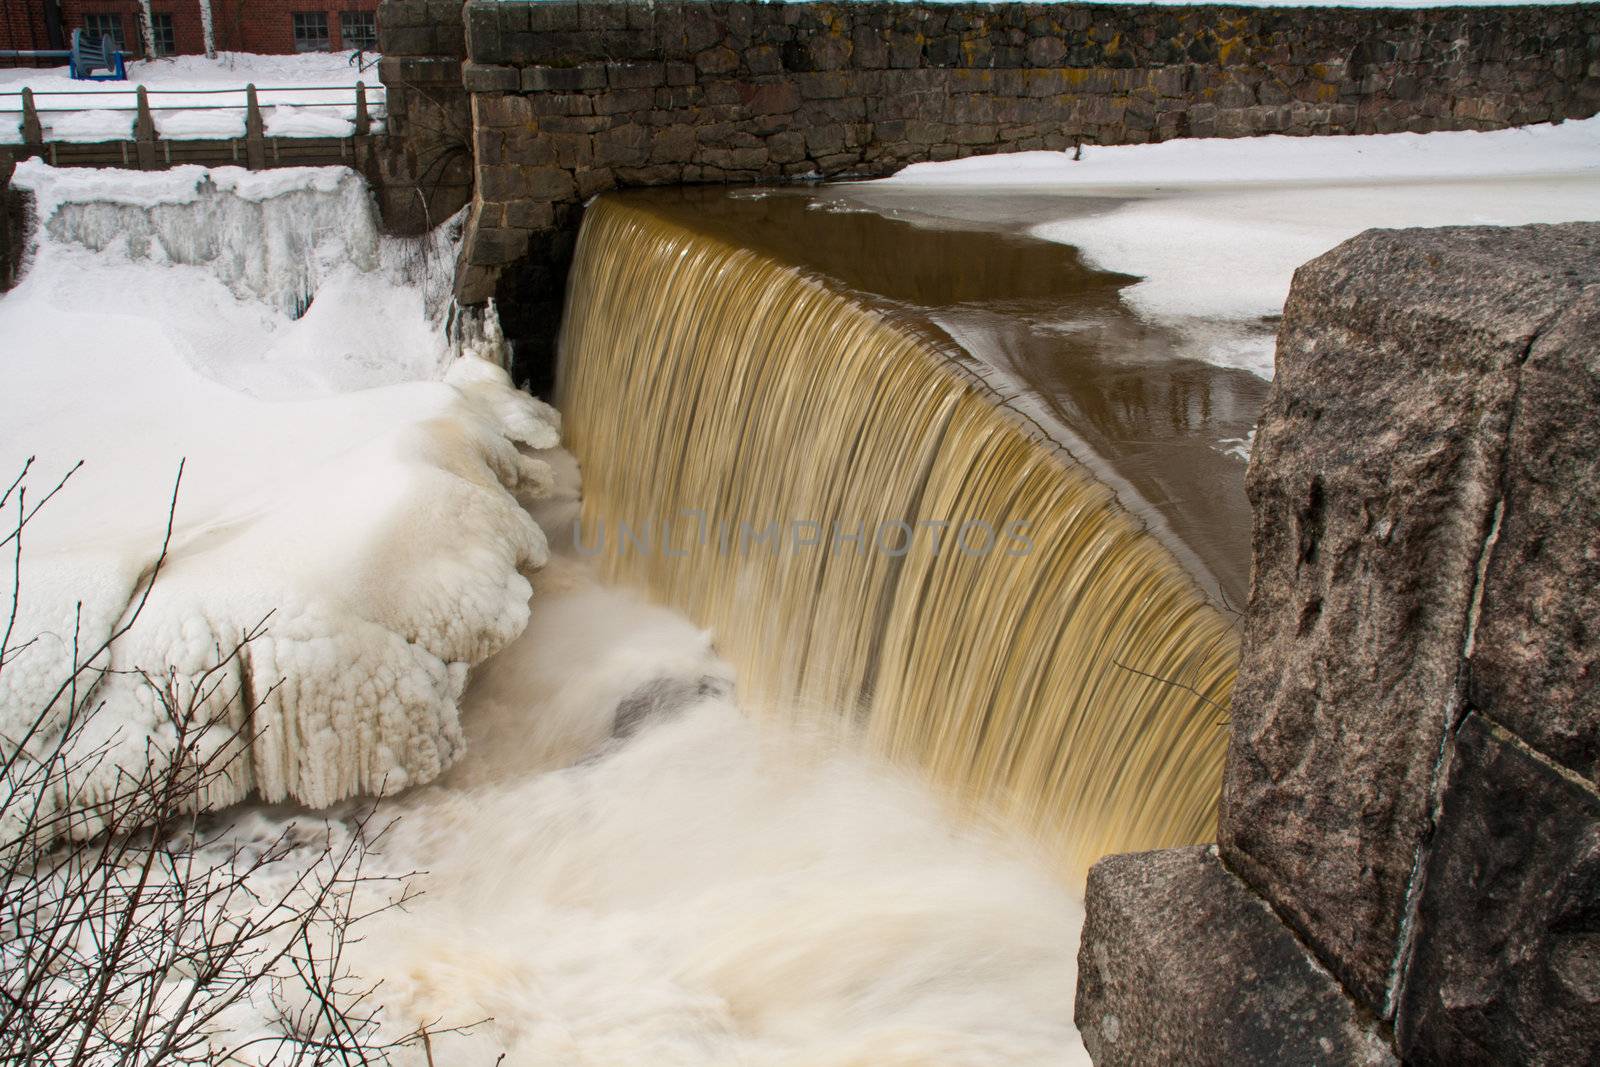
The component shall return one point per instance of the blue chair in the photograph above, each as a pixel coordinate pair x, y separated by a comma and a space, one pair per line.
89, 55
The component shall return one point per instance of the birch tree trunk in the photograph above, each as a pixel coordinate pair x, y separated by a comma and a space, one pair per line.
207, 28
149, 23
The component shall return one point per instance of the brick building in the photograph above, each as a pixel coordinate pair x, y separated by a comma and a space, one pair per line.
266, 26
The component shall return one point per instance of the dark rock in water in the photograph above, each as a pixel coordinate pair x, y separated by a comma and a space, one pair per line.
1507, 965
663, 698
1182, 964
1535, 663
1377, 470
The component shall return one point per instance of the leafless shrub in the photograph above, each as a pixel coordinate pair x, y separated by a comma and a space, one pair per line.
136, 927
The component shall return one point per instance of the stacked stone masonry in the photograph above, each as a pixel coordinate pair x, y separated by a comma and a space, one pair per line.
426, 167
572, 99
1413, 778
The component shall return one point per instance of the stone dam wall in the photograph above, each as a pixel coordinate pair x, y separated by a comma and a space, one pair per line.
1408, 864
13, 219
426, 168
547, 103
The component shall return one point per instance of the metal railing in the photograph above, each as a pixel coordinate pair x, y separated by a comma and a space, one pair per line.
144, 124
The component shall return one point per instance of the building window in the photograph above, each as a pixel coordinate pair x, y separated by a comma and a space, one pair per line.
96, 26
311, 32
359, 29
166, 38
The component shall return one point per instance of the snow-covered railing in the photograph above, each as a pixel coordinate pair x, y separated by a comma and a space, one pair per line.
142, 114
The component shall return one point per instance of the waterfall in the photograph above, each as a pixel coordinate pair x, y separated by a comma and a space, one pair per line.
1064, 672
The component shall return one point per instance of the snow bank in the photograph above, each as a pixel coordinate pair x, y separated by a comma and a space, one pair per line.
344, 475
1569, 148
1216, 228
287, 121
309, 95
1218, 267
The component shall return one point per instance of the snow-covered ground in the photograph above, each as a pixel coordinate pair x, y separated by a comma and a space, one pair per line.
310, 95
343, 472
1216, 228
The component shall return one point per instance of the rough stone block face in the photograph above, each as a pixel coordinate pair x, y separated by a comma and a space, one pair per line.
421, 176
1375, 479
636, 75
502, 111
1411, 772
562, 79
1506, 966
421, 27
481, 78
1181, 963
504, 183
1535, 665
489, 247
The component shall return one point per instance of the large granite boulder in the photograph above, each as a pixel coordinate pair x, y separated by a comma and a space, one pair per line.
1506, 965
1376, 481
1535, 663
1411, 785
1182, 964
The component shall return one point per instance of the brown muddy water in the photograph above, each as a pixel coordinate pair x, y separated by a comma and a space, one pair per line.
768, 360
1046, 332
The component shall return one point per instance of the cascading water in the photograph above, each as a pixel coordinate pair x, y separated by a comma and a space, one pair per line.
775, 457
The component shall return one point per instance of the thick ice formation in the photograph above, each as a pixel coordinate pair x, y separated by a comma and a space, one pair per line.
279, 238
366, 509
274, 235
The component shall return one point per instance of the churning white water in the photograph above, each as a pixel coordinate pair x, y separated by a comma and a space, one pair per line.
627, 870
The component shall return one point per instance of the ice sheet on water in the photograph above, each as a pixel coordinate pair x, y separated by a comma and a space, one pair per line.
1216, 227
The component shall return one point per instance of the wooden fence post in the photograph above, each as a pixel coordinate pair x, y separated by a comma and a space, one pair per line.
363, 117
255, 143
144, 132
32, 129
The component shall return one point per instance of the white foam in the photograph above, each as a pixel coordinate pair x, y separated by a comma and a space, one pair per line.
708, 890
